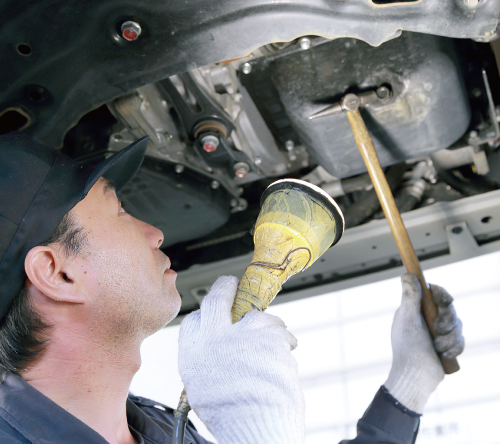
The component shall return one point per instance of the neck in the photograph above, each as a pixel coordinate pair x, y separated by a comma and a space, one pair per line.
89, 380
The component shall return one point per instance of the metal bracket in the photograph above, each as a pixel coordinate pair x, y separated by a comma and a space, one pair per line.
460, 239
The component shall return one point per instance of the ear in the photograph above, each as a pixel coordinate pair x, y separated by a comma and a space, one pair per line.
53, 274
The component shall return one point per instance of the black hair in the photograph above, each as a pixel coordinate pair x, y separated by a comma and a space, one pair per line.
23, 332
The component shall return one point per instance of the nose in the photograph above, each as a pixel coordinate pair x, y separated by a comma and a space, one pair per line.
153, 235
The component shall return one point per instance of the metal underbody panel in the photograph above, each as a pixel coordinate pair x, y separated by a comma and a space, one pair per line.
421, 71
65, 58
442, 233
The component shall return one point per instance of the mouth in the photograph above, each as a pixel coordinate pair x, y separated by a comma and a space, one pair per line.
168, 270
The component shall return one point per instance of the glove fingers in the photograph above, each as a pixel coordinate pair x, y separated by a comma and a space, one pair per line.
454, 351
292, 340
444, 343
412, 292
256, 320
216, 306
446, 321
441, 297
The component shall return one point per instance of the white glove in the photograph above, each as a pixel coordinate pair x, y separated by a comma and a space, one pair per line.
416, 369
241, 379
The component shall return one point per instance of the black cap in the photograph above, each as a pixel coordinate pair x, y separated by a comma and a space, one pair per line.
38, 187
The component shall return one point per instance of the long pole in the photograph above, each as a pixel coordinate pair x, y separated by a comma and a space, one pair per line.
403, 242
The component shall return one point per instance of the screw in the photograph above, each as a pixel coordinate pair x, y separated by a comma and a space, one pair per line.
214, 184
246, 68
179, 169
471, 3
305, 43
241, 169
209, 143
131, 30
384, 94
289, 145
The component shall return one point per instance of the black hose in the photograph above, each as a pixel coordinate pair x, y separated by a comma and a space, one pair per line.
356, 183
368, 204
405, 201
180, 421
478, 185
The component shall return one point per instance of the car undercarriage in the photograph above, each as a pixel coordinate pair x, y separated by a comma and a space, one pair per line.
225, 89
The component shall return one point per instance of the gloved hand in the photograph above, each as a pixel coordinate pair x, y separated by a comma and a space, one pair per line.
416, 369
241, 379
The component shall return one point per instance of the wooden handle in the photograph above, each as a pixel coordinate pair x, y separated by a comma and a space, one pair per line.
403, 242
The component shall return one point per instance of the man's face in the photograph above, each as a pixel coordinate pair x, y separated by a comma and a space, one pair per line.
131, 287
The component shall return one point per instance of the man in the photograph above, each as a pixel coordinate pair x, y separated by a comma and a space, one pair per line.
82, 283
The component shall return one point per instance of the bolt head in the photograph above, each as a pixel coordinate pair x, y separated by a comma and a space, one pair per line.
258, 161
209, 143
179, 169
305, 43
246, 68
131, 30
289, 145
241, 169
214, 184
383, 92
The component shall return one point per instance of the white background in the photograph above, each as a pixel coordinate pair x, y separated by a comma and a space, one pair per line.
344, 355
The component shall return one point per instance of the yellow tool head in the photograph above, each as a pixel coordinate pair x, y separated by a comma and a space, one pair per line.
297, 209
297, 223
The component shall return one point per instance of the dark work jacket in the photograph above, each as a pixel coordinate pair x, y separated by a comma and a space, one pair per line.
27, 416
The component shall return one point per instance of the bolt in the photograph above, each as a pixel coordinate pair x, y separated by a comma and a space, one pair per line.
473, 135
209, 143
384, 94
305, 43
289, 145
246, 68
241, 169
131, 30
179, 169
214, 184
476, 92
471, 3
257, 161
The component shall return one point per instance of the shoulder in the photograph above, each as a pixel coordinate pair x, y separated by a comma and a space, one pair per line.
9, 435
163, 415
154, 409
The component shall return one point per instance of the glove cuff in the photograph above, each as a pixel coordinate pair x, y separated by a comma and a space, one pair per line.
280, 427
411, 386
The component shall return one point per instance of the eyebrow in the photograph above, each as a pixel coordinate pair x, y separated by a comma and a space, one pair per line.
108, 186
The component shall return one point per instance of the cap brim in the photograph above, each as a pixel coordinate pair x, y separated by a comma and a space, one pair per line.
121, 166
